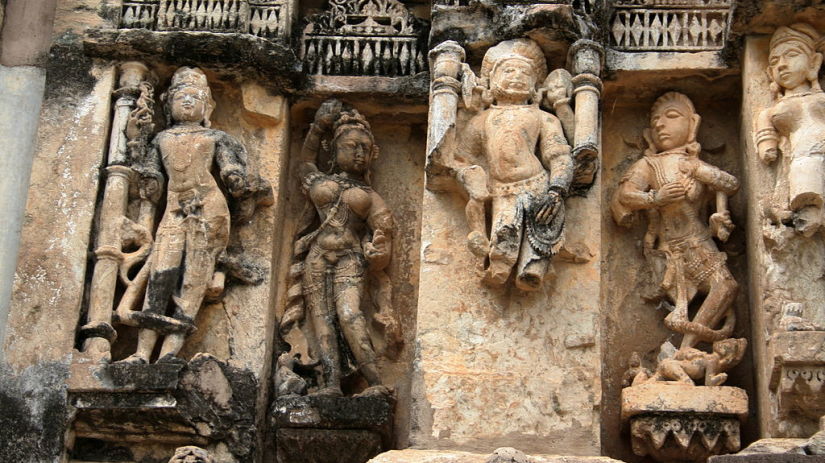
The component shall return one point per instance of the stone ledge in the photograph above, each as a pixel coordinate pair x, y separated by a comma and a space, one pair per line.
450, 456
682, 398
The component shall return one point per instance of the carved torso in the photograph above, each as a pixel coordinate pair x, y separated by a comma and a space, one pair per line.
349, 202
801, 119
511, 136
187, 155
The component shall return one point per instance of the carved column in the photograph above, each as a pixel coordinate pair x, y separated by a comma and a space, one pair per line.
113, 207
587, 57
445, 61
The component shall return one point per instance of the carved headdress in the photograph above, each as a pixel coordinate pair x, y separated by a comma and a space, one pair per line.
521, 49
351, 119
810, 40
187, 77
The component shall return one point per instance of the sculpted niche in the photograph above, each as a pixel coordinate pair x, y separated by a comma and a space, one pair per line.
341, 254
789, 136
176, 266
672, 187
512, 158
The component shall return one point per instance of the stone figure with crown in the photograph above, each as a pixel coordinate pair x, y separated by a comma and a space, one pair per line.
513, 157
673, 187
170, 274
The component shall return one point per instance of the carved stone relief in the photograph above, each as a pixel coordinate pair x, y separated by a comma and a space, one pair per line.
191, 454
263, 18
344, 245
668, 25
788, 136
512, 155
671, 186
364, 38
166, 274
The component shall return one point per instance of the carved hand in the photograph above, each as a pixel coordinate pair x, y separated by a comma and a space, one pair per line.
768, 151
670, 192
721, 225
327, 113
548, 211
236, 183
377, 251
149, 188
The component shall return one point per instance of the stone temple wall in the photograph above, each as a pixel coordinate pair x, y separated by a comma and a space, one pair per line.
253, 231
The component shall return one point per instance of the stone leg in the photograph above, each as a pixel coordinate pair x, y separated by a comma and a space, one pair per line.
531, 267
348, 292
201, 253
322, 314
165, 263
722, 292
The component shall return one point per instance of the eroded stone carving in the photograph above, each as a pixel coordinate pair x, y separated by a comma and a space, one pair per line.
512, 154
335, 259
191, 454
672, 185
670, 25
263, 18
369, 38
187, 259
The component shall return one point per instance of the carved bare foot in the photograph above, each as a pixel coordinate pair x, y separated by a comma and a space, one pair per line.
331, 391
134, 359
528, 282
717, 380
807, 221
478, 243
373, 391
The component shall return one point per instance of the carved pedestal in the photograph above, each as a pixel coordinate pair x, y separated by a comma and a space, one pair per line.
797, 379
676, 422
202, 402
315, 429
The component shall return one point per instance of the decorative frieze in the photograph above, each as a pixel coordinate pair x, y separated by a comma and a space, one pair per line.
372, 38
262, 18
670, 25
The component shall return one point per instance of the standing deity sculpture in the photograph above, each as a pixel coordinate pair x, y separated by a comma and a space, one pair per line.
673, 187
795, 124
529, 168
343, 249
187, 259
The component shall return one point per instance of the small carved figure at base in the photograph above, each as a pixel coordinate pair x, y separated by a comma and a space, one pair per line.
689, 364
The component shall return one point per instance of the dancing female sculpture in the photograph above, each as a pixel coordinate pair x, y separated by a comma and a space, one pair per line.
672, 184
354, 237
796, 118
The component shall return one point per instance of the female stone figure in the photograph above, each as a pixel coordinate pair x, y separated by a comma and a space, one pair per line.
672, 184
354, 235
797, 117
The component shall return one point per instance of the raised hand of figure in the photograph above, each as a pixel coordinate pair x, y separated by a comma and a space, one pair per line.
550, 208
326, 114
669, 193
721, 225
377, 251
149, 188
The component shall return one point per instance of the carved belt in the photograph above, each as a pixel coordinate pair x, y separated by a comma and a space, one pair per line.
504, 189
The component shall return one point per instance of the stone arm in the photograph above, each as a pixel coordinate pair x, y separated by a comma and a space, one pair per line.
555, 154
567, 118
150, 173
766, 137
309, 152
233, 165
716, 178
634, 191
380, 220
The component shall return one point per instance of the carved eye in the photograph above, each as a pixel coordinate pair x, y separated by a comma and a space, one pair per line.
673, 114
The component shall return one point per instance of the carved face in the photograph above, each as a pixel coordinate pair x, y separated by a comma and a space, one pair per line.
191, 454
791, 64
671, 127
188, 105
514, 78
353, 151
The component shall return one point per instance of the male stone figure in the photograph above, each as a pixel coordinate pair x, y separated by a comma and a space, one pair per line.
529, 168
